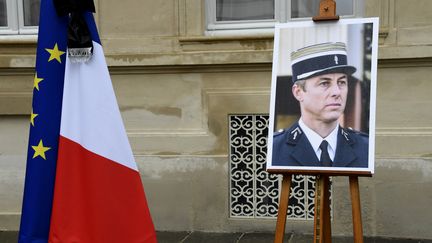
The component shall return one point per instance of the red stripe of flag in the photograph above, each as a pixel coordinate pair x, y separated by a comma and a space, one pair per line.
94, 200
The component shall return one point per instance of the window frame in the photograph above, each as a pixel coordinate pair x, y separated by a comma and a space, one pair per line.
15, 18
282, 15
212, 24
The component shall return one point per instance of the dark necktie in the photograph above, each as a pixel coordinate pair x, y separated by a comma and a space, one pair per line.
325, 157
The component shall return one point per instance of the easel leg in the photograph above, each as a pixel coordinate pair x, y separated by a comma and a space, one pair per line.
283, 208
322, 221
356, 211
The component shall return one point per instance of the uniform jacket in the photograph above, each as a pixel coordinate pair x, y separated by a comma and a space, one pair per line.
291, 147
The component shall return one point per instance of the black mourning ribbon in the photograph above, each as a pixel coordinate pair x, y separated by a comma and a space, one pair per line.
325, 157
80, 45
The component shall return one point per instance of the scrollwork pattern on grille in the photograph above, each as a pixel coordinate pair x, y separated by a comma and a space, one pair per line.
254, 193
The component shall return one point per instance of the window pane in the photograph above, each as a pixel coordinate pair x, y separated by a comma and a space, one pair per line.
231, 10
3, 13
31, 12
309, 8
345, 7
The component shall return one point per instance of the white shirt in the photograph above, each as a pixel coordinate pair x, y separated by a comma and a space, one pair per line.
315, 139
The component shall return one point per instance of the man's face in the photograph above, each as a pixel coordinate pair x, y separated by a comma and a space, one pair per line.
323, 98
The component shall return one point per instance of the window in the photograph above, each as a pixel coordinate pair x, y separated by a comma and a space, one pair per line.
19, 16
263, 14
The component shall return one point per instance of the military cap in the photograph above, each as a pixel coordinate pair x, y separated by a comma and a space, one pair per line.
318, 59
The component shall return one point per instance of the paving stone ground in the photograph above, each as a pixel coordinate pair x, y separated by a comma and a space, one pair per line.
249, 237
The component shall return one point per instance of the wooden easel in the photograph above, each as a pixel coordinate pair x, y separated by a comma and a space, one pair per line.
322, 220
327, 11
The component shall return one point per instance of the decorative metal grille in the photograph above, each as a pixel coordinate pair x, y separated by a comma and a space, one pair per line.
253, 192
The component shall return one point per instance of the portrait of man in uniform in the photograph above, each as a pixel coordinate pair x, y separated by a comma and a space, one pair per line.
321, 114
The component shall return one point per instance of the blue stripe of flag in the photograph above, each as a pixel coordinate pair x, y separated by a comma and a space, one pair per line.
47, 102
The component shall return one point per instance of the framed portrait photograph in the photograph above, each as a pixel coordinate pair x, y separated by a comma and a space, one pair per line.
323, 95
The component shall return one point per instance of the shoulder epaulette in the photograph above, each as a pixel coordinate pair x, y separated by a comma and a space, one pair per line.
278, 133
352, 131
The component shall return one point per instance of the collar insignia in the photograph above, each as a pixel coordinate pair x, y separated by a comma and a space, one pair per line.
295, 134
345, 134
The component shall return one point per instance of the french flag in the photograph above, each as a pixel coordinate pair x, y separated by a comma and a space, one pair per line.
92, 191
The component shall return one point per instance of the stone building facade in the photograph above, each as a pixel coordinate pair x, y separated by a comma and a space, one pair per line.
181, 87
